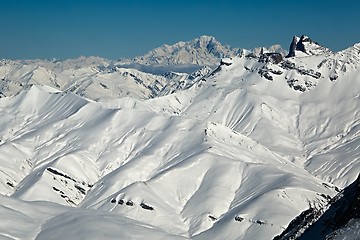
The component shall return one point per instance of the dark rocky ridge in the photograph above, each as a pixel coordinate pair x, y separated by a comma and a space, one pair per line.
342, 208
306, 45
341, 211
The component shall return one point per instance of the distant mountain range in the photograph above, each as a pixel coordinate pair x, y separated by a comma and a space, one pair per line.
205, 50
202, 51
152, 73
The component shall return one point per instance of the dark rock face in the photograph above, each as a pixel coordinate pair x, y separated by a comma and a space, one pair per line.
239, 219
299, 44
343, 208
129, 203
270, 57
212, 218
146, 206
225, 62
300, 222
292, 47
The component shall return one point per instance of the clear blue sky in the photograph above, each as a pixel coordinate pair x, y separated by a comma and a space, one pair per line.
114, 29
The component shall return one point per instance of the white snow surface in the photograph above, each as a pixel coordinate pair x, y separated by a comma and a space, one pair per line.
232, 155
93, 78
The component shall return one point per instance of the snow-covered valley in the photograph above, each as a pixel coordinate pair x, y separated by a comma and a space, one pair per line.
92, 150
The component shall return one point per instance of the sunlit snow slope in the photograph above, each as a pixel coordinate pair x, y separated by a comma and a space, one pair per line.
233, 155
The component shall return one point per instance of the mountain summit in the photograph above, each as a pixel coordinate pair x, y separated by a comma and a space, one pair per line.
306, 45
204, 51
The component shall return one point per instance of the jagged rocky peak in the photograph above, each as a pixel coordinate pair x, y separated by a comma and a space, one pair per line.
293, 46
306, 45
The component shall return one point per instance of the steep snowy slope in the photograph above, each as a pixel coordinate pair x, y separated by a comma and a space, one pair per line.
343, 212
236, 154
336, 220
160, 167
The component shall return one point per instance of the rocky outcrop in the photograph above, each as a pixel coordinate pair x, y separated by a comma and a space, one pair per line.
340, 210
293, 47
306, 45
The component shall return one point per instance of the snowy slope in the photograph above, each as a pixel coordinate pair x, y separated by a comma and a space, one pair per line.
92, 78
338, 219
202, 158
140, 156
45, 220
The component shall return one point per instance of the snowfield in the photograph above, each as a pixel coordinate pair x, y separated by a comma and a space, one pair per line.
89, 150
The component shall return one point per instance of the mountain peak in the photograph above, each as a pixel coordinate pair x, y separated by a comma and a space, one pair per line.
203, 51
305, 44
206, 38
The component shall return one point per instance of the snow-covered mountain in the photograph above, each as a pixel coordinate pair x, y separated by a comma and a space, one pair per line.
236, 152
304, 45
93, 78
203, 51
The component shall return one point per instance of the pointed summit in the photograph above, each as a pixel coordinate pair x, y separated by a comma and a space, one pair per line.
206, 38
306, 45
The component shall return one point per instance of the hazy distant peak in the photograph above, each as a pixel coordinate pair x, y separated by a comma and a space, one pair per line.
204, 51
205, 40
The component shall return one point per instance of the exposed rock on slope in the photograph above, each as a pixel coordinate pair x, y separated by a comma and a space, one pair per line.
307, 46
342, 209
